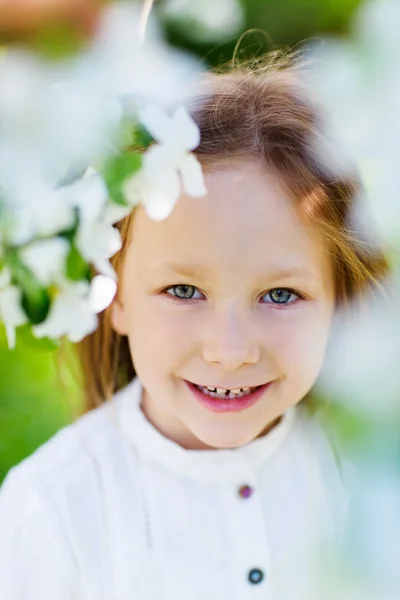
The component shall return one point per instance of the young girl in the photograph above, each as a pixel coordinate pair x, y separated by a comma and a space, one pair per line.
196, 474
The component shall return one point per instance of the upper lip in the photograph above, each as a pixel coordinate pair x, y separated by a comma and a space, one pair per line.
232, 387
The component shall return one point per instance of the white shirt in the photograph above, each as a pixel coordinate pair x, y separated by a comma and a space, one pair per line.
110, 509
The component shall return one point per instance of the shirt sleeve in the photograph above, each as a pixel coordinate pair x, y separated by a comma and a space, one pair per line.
35, 561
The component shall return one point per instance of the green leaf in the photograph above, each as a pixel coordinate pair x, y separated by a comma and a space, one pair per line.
126, 134
132, 136
142, 137
77, 267
35, 299
116, 170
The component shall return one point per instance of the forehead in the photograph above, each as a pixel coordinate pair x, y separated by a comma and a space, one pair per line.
245, 223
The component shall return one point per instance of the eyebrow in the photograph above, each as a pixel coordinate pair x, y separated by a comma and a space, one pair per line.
184, 270
196, 270
293, 272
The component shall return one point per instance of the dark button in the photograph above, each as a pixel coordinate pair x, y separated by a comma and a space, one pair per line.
256, 576
245, 491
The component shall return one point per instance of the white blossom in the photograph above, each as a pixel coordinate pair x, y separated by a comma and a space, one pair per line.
102, 292
71, 314
158, 193
46, 259
36, 209
151, 70
115, 212
364, 121
178, 131
97, 242
157, 186
23, 81
89, 195
95, 238
57, 116
103, 208
11, 312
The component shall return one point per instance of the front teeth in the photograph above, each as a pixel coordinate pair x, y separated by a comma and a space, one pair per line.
222, 393
223, 390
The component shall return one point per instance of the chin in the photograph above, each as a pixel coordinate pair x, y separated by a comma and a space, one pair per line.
221, 441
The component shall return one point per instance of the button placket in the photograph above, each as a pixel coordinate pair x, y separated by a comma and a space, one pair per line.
252, 544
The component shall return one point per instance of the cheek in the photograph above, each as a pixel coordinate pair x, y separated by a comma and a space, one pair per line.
299, 344
159, 335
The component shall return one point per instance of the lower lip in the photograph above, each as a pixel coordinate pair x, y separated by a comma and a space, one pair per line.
230, 405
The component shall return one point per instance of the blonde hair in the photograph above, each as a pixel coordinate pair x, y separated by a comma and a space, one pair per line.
267, 113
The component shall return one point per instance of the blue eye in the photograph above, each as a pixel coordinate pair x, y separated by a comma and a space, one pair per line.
183, 292
282, 296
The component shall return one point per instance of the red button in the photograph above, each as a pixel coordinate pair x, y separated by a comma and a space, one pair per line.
245, 491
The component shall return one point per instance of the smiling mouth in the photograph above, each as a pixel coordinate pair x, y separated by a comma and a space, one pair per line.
225, 394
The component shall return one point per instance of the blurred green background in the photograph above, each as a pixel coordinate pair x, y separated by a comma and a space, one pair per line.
35, 399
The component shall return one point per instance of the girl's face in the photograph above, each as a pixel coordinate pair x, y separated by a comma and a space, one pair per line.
232, 290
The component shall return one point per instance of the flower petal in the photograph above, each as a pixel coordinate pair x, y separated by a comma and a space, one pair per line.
46, 258
157, 122
38, 210
161, 157
179, 131
98, 241
132, 187
160, 196
104, 267
11, 336
11, 312
89, 195
71, 314
102, 292
192, 176
114, 213
185, 132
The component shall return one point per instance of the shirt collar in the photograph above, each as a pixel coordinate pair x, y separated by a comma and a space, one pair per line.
224, 465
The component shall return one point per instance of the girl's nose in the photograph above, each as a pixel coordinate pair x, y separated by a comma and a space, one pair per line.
231, 341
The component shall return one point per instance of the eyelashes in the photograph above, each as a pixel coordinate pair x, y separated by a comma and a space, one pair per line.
185, 289
280, 296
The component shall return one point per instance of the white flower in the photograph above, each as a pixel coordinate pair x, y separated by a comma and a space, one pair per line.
46, 259
71, 314
102, 292
97, 242
158, 194
36, 209
88, 194
95, 238
366, 67
11, 312
115, 212
58, 116
106, 210
179, 130
157, 186
152, 70
23, 81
